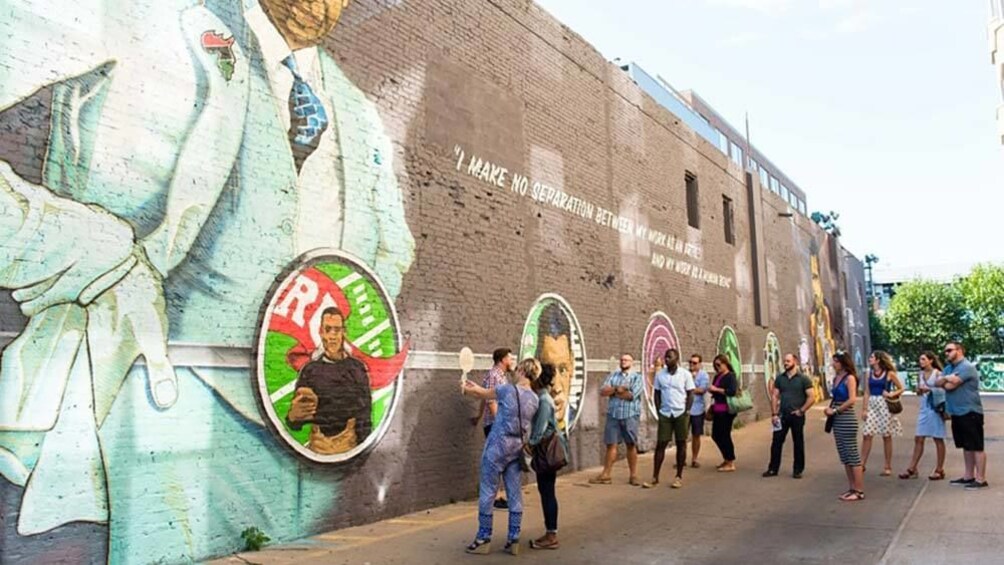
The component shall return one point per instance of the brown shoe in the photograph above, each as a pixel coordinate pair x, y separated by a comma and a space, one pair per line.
544, 544
600, 480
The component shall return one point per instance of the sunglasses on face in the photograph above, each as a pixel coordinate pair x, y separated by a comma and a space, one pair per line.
949, 349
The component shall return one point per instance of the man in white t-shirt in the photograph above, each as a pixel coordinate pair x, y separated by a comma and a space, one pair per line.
674, 395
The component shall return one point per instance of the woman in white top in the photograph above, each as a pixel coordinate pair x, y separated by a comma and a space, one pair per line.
930, 422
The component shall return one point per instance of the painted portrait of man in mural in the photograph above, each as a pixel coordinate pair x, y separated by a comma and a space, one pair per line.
164, 215
820, 325
552, 334
328, 376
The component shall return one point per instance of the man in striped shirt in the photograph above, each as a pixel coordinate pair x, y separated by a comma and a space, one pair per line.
624, 389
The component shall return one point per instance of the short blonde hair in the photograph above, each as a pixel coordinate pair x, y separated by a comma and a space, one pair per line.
530, 368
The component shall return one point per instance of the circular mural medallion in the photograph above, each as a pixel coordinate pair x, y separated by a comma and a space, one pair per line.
728, 345
552, 334
660, 336
772, 365
330, 357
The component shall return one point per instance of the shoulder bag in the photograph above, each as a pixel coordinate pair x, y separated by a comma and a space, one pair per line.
524, 465
741, 402
549, 455
894, 405
936, 399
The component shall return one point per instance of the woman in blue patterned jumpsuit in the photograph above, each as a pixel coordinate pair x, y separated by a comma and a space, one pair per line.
517, 405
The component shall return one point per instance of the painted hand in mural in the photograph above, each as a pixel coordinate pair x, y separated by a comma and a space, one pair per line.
304, 405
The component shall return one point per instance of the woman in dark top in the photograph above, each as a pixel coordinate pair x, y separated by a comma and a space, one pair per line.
545, 425
845, 424
722, 386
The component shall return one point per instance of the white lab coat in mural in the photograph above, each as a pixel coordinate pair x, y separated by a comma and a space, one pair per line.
169, 205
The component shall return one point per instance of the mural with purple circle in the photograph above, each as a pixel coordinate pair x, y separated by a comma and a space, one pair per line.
660, 336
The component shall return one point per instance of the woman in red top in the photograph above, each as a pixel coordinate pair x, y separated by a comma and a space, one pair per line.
722, 386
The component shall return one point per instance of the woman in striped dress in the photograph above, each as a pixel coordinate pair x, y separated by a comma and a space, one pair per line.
845, 424
517, 405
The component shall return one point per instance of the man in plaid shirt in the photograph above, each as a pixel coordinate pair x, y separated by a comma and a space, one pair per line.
495, 377
624, 389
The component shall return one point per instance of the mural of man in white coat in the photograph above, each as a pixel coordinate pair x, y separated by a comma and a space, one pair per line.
188, 163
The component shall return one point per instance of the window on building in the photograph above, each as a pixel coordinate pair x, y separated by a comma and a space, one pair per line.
793, 200
802, 206
723, 142
754, 166
736, 154
764, 178
774, 187
728, 217
784, 193
693, 200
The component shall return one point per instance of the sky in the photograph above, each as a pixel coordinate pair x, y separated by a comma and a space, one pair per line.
881, 110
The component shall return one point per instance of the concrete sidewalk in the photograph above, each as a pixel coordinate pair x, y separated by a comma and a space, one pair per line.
716, 518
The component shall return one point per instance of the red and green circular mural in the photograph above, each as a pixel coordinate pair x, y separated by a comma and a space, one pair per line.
330, 358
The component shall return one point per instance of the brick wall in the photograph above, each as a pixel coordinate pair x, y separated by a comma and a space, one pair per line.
149, 112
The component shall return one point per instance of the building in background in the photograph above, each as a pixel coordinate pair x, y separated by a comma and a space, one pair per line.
709, 124
889, 278
996, 37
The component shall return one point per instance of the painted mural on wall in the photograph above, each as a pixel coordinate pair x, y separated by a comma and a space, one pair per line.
660, 335
552, 334
820, 325
772, 365
169, 217
329, 358
728, 345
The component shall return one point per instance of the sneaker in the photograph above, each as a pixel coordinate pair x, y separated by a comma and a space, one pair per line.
769, 473
502, 504
961, 482
654, 483
677, 483
977, 486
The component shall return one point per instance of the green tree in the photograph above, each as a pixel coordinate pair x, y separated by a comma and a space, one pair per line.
983, 298
880, 338
924, 315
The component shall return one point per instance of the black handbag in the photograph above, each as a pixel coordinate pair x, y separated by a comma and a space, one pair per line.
829, 424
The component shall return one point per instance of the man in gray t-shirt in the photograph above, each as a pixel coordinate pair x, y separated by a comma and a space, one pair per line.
961, 382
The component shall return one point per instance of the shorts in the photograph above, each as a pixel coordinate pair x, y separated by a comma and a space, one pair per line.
967, 430
697, 425
673, 426
620, 431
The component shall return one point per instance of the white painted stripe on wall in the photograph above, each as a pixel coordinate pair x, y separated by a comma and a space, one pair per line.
284, 391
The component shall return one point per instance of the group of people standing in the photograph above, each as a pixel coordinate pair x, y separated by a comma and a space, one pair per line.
518, 412
681, 403
946, 393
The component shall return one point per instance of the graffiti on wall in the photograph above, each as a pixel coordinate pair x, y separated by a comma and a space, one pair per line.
728, 345
820, 325
660, 336
772, 365
164, 218
552, 334
329, 358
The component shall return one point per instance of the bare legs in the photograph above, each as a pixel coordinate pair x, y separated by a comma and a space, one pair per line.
866, 449
695, 446
976, 465
918, 453
611, 458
